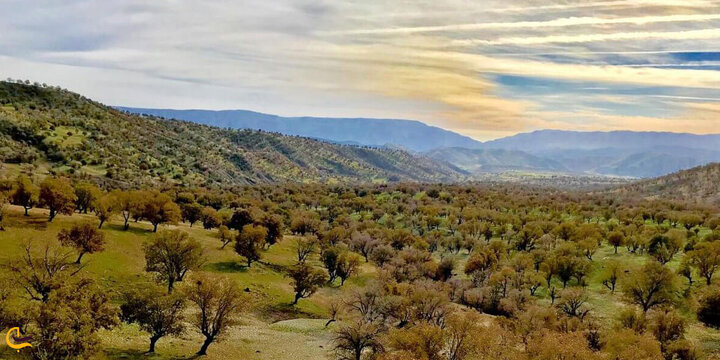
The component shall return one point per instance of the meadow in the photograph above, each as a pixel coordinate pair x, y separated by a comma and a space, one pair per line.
517, 269
271, 329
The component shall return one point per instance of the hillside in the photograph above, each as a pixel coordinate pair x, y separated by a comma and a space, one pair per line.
72, 134
493, 160
620, 153
543, 140
409, 134
699, 184
615, 153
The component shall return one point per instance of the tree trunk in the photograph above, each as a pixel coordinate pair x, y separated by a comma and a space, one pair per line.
153, 340
155, 227
52, 215
206, 343
26, 210
101, 224
79, 257
297, 298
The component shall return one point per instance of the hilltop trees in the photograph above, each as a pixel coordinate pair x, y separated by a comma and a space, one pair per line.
85, 238
171, 254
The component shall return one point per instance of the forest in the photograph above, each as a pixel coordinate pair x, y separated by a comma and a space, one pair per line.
375, 271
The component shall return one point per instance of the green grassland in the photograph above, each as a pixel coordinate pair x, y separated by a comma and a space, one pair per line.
271, 328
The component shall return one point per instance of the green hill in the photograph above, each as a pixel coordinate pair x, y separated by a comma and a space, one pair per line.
699, 184
69, 133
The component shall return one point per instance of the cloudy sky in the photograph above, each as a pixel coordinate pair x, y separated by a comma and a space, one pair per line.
486, 68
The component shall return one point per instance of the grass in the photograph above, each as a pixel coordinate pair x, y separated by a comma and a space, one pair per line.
272, 329
270, 316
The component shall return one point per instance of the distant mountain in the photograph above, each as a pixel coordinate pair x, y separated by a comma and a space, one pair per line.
494, 160
409, 134
699, 184
621, 153
548, 140
71, 134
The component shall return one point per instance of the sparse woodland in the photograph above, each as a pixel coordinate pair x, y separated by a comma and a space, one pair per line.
449, 271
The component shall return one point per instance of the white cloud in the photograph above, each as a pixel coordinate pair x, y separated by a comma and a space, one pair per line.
428, 59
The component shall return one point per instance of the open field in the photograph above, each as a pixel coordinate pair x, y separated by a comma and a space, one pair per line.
271, 330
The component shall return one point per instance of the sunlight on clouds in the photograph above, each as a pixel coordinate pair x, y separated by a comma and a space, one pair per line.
583, 38
435, 61
574, 21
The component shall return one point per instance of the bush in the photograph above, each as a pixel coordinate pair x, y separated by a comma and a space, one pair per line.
709, 308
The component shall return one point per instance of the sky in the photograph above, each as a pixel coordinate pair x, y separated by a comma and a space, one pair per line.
486, 69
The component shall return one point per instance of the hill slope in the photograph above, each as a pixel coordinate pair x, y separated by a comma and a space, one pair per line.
74, 134
544, 140
699, 184
409, 134
623, 153
492, 160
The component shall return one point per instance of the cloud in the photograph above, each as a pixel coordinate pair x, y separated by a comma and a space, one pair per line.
564, 22
436, 61
583, 38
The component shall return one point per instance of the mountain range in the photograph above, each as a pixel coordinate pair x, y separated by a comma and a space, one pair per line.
615, 153
408, 134
58, 131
